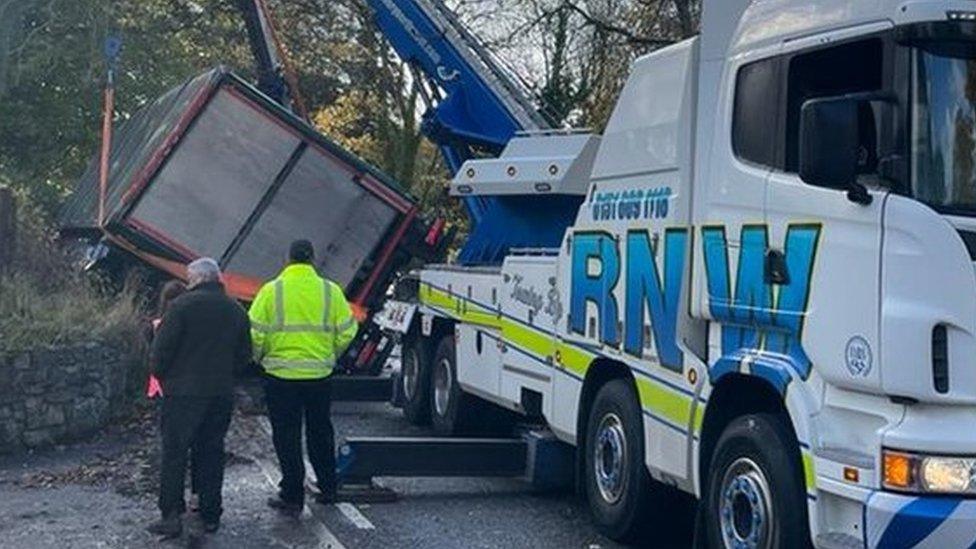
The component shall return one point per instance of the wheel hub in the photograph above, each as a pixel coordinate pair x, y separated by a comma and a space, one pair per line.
610, 459
746, 510
443, 381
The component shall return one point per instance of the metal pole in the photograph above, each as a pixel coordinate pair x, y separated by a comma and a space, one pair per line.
106, 149
112, 48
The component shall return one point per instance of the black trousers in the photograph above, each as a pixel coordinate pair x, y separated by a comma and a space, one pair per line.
197, 424
194, 473
290, 403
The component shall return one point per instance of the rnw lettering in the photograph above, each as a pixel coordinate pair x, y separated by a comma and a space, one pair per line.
646, 290
752, 319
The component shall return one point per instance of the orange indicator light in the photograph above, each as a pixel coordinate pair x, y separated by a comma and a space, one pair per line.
897, 470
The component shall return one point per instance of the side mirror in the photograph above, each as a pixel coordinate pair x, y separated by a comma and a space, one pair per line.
829, 140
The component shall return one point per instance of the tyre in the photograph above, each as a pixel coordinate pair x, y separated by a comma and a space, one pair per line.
415, 380
450, 407
618, 485
755, 492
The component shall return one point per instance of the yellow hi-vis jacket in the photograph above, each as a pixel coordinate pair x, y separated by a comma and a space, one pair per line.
300, 324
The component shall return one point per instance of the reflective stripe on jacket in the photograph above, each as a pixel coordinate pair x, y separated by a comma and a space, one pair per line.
300, 324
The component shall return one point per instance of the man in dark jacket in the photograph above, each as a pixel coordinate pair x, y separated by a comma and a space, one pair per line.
204, 340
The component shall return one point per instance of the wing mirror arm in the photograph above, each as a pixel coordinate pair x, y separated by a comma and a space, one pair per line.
858, 194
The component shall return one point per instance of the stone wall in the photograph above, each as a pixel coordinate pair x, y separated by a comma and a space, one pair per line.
61, 394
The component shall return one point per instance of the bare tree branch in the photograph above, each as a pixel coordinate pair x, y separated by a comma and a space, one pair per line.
629, 36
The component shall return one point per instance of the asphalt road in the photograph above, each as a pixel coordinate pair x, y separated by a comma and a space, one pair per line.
64, 511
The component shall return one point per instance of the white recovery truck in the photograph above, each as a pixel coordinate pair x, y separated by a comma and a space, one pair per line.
768, 297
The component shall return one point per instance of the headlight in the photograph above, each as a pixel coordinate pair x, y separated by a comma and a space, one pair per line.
909, 472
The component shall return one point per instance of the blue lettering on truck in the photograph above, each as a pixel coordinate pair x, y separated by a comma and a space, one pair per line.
646, 287
596, 273
752, 318
757, 322
631, 204
597, 249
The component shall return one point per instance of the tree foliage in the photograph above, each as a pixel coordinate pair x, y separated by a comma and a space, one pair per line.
576, 54
53, 72
573, 53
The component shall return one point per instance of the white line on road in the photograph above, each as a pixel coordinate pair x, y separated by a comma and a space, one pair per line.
327, 539
348, 510
352, 513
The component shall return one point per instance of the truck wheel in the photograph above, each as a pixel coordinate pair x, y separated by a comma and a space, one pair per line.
755, 493
618, 485
450, 407
415, 381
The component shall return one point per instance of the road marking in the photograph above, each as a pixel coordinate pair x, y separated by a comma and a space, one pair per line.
327, 539
348, 510
352, 513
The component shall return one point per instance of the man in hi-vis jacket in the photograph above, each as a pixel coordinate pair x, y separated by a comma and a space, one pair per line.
300, 325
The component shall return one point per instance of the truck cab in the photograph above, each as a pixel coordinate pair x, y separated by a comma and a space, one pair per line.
767, 296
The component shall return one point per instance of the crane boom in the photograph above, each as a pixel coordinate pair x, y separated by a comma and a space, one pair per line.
515, 96
276, 77
478, 103
475, 107
473, 104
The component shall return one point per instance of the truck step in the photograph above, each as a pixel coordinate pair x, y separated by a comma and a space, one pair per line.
537, 457
362, 458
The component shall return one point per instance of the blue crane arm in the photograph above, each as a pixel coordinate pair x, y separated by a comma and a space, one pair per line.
472, 104
479, 106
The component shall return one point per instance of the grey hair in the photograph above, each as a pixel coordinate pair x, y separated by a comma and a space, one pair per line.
201, 271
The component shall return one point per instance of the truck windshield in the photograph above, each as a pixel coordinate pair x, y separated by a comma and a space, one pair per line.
944, 132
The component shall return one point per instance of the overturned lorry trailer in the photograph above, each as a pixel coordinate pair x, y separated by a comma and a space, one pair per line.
214, 168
